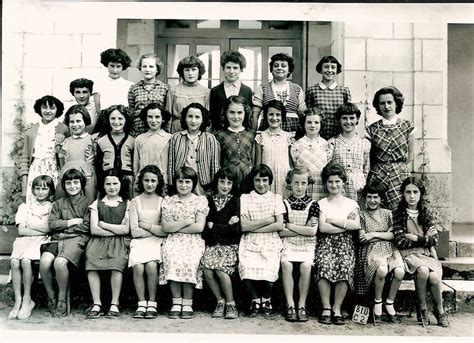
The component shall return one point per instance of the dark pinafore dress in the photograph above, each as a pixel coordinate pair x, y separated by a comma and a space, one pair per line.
108, 253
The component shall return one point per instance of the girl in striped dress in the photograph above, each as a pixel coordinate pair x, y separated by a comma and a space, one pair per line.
289, 93
195, 148
299, 241
393, 142
260, 246
312, 151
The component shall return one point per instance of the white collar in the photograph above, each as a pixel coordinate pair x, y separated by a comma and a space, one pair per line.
332, 86
234, 130
392, 121
84, 134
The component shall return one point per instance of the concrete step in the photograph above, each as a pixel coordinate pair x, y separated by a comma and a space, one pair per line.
464, 294
458, 268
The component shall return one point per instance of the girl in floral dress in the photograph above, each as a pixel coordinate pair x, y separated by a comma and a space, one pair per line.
183, 218
273, 145
392, 141
39, 155
237, 139
351, 150
378, 255
312, 151
335, 256
260, 246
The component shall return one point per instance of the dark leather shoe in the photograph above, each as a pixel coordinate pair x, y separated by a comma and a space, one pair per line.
290, 315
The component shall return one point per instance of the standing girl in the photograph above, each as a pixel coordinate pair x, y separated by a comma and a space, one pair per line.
195, 148
280, 88
327, 95
146, 91
312, 151
260, 247
32, 223
183, 218
299, 241
416, 235
190, 70
273, 145
69, 223
39, 154
222, 235
335, 255
392, 145
237, 139
351, 151
78, 150
109, 245
378, 254
147, 233
115, 149
151, 147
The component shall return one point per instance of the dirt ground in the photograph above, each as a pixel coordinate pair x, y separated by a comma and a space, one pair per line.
40, 323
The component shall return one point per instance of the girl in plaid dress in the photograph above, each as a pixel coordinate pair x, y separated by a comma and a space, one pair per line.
222, 235
273, 145
146, 91
378, 256
260, 247
335, 256
416, 235
312, 151
327, 95
183, 218
299, 241
351, 151
393, 142
237, 139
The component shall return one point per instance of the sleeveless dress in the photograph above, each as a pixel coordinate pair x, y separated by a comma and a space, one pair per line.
299, 248
146, 249
108, 253
313, 154
335, 256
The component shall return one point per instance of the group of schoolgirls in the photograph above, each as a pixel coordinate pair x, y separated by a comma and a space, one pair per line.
304, 148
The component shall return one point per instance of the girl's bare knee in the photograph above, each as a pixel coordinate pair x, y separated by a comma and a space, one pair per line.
434, 279
381, 272
286, 266
15, 263
399, 273
422, 273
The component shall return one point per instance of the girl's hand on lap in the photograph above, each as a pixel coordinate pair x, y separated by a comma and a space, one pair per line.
144, 224
431, 232
233, 220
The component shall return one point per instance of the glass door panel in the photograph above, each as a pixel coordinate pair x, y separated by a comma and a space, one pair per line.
210, 56
176, 52
253, 71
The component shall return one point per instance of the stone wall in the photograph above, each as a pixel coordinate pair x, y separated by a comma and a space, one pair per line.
413, 58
